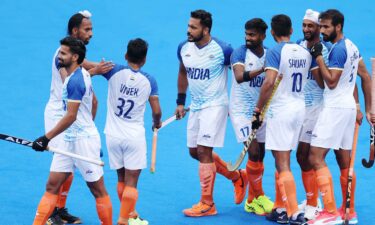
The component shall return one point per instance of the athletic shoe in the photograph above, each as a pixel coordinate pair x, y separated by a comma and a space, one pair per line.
67, 217
325, 217
278, 215
254, 207
311, 212
298, 219
265, 203
55, 219
303, 205
201, 209
353, 219
240, 187
137, 221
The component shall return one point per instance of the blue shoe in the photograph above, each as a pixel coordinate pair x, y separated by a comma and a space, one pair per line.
278, 215
298, 220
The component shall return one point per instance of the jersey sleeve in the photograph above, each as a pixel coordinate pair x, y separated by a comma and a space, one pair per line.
76, 88
273, 59
154, 85
114, 70
337, 57
238, 56
179, 50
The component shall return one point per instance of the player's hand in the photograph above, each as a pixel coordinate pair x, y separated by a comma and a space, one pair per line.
156, 125
316, 50
40, 144
256, 123
102, 68
359, 117
180, 112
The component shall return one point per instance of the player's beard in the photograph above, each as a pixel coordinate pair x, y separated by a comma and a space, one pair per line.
195, 39
252, 45
64, 64
330, 37
309, 36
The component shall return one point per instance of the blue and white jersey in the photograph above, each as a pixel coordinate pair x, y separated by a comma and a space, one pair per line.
244, 96
54, 107
293, 62
313, 93
128, 92
78, 88
206, 69
344, 56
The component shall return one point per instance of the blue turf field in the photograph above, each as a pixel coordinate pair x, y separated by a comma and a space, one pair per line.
30, 31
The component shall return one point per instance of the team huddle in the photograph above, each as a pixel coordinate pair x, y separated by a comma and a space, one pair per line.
300, 95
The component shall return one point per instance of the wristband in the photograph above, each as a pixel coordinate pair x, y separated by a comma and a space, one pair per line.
358, 106
246, 76
181, 98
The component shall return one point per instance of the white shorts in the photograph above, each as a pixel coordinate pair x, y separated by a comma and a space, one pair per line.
334, 128
89, 147
128, 153
242, 128
49, 124
311, 117
283, 128
206, 127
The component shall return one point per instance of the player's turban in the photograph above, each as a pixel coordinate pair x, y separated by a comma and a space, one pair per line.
85, 13
312, 15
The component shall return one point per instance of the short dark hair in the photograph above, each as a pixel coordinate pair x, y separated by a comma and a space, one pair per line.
281, 25
257, 24
204, 16
334, 15
75, 21
76, 46
137, 50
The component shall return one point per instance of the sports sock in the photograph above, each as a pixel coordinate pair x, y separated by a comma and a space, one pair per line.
344, 187
129, 199
46, 206
104, 210
324, 180
278, 199
64, 190
207, 174
311, 187
254, 172
221, 168
287, 188
120, 189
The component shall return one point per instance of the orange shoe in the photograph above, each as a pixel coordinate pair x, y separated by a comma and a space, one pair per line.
201, 209
240, 186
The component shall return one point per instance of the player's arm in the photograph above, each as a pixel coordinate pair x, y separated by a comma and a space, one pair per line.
99, 68
366, 87
266, 89
95, 104
318, 77
242, 76
359, 116
182, 85
156, 111
66, 121
330, 76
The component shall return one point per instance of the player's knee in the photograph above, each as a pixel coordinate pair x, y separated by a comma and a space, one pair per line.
52, 187
254, 156
193, 153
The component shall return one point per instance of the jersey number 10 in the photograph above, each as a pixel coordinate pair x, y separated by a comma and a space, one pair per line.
297, 82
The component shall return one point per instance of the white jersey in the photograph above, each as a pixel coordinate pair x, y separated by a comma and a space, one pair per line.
54, 107
78, 88
128, 92
344, 56
293, 62
244, 96
313, 93
206, 69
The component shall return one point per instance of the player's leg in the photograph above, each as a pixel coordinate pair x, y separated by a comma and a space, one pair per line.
255, 170
48, 201
103, 202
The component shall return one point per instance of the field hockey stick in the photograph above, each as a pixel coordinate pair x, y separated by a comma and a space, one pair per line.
252, 136
51, 149
370, 162
350, 175
155, 139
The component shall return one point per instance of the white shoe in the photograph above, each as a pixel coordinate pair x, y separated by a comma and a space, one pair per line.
310, 211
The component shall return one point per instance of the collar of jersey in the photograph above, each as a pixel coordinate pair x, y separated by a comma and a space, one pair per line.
200, 47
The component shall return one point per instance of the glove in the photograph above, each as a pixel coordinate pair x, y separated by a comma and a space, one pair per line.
256, 123
316, 50
40, 144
